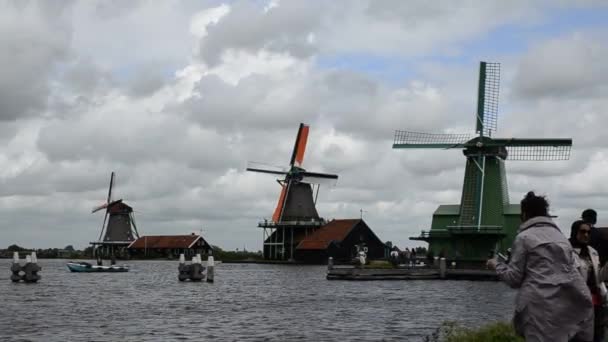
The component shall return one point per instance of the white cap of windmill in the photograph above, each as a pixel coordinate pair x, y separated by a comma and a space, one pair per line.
296, 172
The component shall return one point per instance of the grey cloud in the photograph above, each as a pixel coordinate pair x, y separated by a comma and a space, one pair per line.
35, 38
83, 78
284, 28
348, 101
568, 67
146, 82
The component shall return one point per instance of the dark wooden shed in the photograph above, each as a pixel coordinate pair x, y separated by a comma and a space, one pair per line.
169, 246
338, 239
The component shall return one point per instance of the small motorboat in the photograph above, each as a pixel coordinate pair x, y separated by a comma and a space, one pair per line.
86, 267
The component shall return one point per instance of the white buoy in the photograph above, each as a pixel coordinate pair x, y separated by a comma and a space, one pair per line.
182, 259
28, 259
34, 258
16, 257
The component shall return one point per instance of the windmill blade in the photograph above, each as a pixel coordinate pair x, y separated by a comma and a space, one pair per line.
98, 208
134, 225
406, 139
276, 216
258, 165
267, 171
319, 178
487, 98
536, 149
297, 156
105, 217
110, 189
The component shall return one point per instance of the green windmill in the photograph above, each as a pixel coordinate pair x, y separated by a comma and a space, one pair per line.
484, 221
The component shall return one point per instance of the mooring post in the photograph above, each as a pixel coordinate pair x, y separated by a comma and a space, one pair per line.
31, 269
182, 269
330, 264
442, 268
436, 262
196, 272
15, 268
453, 264
210, 268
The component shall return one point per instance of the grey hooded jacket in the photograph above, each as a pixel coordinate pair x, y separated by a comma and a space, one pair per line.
553, 302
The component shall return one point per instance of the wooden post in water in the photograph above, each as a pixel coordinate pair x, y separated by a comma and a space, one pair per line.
31, 269
183, 269
15, 268
442, 268
196, 273
210, 267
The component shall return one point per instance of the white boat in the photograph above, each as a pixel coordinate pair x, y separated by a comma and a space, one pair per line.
87, 267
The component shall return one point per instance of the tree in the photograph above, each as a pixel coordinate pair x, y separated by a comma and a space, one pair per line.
69, 248
15, 248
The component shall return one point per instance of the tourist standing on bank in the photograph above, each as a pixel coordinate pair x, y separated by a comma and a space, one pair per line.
589, 267
553, 303
589, 216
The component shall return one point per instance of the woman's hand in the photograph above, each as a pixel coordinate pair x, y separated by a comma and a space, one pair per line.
491, 263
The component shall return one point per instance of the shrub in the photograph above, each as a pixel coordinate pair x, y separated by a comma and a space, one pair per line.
494, 332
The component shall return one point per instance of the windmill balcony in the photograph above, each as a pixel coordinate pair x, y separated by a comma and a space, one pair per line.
476, 230
460, 230
298, 223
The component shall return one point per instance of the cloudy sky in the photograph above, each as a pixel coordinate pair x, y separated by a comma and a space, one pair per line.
177, 96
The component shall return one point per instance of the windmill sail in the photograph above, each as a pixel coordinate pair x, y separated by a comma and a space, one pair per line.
484, 215
487, 98
296, 200
118, 217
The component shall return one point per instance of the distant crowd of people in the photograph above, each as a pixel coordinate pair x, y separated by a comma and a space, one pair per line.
407, 256
561, 295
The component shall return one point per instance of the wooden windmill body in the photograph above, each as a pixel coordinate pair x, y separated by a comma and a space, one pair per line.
295, 215
484, 221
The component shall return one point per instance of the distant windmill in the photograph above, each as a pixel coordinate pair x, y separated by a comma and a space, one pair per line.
484, 216
296, 205
120, 230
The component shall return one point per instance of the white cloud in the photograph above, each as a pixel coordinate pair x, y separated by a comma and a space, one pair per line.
176, 98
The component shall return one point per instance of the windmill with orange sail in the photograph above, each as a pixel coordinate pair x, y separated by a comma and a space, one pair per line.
295, 215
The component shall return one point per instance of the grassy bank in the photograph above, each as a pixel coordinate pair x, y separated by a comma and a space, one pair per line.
494, 332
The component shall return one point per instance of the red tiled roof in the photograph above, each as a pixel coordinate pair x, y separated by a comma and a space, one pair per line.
336, 230
164, 241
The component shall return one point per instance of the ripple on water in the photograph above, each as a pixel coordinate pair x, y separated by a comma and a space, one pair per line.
247, 302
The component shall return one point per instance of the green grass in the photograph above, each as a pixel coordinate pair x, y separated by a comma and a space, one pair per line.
494, 332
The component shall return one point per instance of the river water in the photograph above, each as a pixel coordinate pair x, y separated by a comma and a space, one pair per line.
247, 302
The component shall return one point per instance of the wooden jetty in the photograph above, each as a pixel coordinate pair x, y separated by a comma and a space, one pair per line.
354, 273
408, 273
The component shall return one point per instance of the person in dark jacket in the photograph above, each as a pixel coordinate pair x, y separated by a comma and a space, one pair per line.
589, 267
589, 216
553, 303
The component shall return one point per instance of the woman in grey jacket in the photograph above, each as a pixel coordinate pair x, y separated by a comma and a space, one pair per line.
589, 267
553, 302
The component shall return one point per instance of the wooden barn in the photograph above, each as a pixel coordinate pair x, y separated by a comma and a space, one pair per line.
169, 246
338, 239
